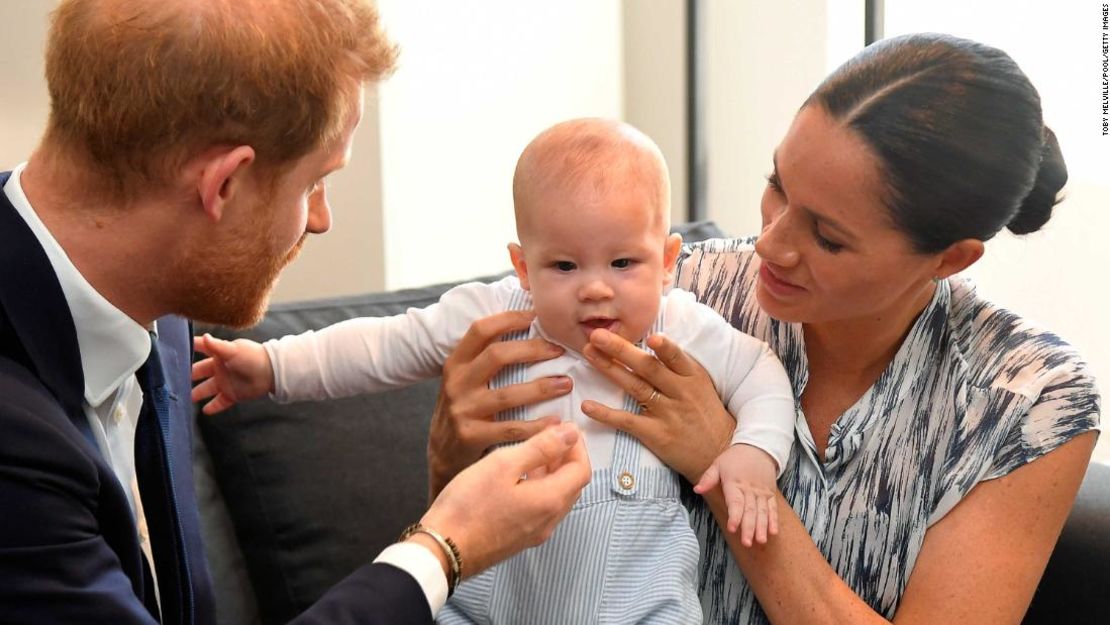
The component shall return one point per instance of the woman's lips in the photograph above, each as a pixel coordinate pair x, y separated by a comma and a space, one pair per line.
776, 285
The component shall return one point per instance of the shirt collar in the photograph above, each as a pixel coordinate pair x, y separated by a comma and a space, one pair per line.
112, 345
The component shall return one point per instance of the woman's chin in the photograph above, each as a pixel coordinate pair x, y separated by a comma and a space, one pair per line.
776, 308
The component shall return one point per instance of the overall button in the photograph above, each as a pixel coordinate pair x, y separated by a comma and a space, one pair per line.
626, 480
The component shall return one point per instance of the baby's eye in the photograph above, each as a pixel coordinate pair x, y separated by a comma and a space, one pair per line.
622, 263
565, 265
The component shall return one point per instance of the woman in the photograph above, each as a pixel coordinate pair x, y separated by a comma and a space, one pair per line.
941, 439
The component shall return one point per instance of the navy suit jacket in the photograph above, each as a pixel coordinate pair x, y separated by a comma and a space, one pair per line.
69, 549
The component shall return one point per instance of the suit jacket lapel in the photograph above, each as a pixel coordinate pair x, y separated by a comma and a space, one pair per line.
32, 300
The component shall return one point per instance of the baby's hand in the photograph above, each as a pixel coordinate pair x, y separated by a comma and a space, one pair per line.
236, 371
747, 478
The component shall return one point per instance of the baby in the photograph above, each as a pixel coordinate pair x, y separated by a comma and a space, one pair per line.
592, 209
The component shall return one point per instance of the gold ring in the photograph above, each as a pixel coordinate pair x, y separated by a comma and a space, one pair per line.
654, 394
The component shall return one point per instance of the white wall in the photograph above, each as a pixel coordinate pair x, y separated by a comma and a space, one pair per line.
24, 103
655, 84
476, 82
763, 59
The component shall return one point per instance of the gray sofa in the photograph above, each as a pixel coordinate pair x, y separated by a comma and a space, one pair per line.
296, 496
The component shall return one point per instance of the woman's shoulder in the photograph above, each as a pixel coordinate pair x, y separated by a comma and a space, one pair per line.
1004, 350
706, 267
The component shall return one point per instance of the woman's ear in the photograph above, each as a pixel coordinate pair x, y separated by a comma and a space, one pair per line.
221, 176
671, 248
957, 257
516, 255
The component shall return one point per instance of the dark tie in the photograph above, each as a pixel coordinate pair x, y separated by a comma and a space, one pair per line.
156, 491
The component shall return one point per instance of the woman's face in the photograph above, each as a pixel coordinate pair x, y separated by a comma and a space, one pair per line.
829, 249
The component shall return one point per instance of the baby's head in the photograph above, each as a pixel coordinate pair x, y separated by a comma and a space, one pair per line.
592, 200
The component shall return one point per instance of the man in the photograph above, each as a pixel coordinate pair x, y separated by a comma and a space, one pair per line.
181, 169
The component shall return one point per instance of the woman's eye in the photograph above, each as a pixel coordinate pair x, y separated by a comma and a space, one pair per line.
827, 245
773, 182
565, 265
622, 263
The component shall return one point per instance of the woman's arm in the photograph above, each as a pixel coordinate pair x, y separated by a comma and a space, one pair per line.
979, 564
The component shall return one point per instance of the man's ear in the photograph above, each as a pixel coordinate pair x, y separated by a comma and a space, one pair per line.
516, 255
223, 173
957, 257
671, 248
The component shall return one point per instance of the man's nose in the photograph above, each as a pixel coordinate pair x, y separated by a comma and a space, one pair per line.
319, 213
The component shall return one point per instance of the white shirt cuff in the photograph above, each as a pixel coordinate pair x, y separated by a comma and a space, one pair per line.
418, 561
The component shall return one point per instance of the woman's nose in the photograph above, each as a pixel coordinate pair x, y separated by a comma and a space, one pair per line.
776, 243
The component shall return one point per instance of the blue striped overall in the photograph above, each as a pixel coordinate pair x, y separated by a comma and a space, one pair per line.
624, 554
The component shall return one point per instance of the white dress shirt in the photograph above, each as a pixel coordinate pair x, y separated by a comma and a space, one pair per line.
112, 346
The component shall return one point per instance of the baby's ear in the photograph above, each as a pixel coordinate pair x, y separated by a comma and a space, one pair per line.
516, 255
671, 248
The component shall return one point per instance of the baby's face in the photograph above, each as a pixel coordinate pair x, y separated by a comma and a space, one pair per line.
599, 264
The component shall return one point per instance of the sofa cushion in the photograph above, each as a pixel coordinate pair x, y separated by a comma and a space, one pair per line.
1073, 588
316, 489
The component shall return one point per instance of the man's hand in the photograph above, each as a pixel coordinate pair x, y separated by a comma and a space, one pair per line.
236, 371
491, 513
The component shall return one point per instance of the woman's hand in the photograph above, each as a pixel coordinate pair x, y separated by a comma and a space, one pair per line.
683, 421
464, 424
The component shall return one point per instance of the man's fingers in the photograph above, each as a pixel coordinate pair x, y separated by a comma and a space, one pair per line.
483, 331
547, 447
513, 431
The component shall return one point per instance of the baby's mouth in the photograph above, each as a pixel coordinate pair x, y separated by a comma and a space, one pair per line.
595, 323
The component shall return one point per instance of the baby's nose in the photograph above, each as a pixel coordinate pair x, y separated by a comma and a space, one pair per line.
595, 289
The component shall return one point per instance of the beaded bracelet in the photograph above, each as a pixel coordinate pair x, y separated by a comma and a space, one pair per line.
450, 549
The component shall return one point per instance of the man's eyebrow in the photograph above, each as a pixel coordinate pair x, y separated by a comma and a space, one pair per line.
815, 214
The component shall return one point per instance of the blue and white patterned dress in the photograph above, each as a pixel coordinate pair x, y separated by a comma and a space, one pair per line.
973, 393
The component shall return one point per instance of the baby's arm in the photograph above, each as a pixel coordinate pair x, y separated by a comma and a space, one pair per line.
372, 354
233, 372
747, 478
756, 390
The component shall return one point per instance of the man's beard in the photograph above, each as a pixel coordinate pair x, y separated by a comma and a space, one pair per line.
230, 284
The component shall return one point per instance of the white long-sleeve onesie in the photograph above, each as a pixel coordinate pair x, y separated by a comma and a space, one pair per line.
373, 354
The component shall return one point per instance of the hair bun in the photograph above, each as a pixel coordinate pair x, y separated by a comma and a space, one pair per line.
1036, 208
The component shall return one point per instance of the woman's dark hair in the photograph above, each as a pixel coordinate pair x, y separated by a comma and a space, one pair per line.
957, 129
